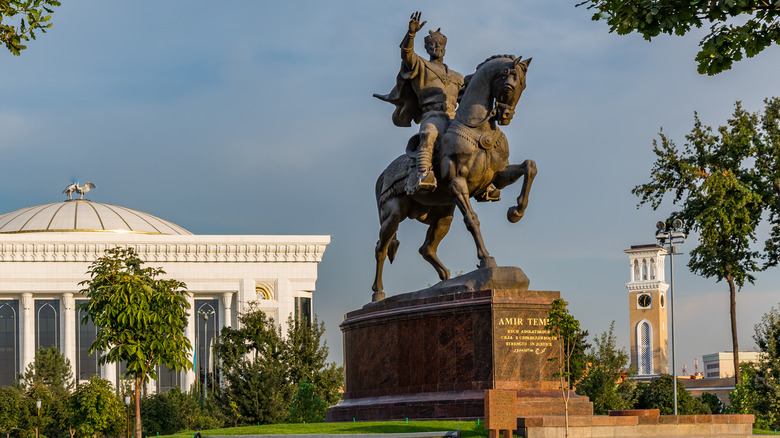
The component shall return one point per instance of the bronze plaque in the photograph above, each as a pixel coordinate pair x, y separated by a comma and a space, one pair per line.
500, 409
521, 345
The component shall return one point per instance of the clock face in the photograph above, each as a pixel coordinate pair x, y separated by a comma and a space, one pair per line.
644, 301
662, 302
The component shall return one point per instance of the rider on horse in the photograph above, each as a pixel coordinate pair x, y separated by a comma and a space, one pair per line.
426, 91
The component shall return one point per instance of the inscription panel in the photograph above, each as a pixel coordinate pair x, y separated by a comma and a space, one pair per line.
500, 410
521, 345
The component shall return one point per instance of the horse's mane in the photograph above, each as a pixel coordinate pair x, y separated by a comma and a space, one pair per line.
467, 79
508, 56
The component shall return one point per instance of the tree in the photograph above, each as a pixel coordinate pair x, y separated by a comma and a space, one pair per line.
722, 196
306, 406
49, 368
738, 28
606, 383
759, 391
253, 365
714, 403
95, 409
140, 318
34, 15
756, 395
11, 409
579, 359
161, 415
307, 358
263, 370
564, 328
658, 395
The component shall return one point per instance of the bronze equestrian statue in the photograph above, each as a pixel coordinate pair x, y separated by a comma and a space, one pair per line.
468, 153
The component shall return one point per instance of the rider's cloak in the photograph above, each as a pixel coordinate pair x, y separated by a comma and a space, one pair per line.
407, 104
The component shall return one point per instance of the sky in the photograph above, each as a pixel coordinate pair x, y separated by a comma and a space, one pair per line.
257, 117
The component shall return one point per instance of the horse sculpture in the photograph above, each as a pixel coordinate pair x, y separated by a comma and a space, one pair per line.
469, 157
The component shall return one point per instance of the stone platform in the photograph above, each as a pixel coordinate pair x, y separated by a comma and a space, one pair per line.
431, 354
659, 426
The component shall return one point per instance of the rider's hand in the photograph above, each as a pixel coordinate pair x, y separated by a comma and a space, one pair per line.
414, 23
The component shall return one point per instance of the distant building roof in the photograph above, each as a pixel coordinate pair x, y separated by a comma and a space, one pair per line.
85, 216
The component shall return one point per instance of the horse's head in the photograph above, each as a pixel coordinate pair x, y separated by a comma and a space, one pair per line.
507, 86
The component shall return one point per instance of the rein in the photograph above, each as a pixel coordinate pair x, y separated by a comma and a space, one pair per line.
474, 126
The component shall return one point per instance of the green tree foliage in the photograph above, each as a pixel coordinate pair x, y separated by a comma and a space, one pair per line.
713, 402
756, 395
140, 318
48, 378
50, 368
565, 329
11, 409
20, 19
579, 359
262, 369
722, 195
96, 410
254, 369
759, 392
738, 28
307, 356
658, 395
306, 407
607, 382
161, 415
173, 410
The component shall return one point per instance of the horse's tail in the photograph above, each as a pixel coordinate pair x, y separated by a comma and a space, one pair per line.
392, 184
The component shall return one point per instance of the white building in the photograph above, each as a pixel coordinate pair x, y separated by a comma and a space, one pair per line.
45, 252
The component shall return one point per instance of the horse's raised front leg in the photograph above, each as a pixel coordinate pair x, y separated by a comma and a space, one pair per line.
509, 175
390, 216
460, 189
439, 221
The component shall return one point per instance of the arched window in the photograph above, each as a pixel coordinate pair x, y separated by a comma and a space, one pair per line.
206, 330
47, 324
9, 342
86, 364
652, 269
644, 347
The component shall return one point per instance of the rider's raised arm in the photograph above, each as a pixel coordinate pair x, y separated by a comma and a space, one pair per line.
407, 45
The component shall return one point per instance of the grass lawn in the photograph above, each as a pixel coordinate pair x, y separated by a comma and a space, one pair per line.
467, 428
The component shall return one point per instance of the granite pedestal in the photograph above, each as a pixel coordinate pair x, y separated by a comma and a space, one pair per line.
431, 354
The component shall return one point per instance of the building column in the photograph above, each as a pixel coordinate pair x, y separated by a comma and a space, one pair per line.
108, 372
69, 329
189, 376
27, 325
227, 304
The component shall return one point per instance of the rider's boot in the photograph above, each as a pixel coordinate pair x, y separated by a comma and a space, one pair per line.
426, 180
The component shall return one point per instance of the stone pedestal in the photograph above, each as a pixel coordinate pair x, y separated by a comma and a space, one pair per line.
432, 353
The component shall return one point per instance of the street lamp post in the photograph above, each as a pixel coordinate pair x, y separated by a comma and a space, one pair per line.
205, 314
38, 406
127, 404
671, 235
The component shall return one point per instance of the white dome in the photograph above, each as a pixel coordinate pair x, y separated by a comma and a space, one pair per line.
86, 216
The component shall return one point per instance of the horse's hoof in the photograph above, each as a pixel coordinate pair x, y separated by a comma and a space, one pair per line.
377, 296
514, 214
487, 262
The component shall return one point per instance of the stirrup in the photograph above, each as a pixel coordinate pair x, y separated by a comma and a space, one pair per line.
426, 183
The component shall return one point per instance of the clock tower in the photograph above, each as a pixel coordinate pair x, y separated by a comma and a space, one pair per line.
647, 310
